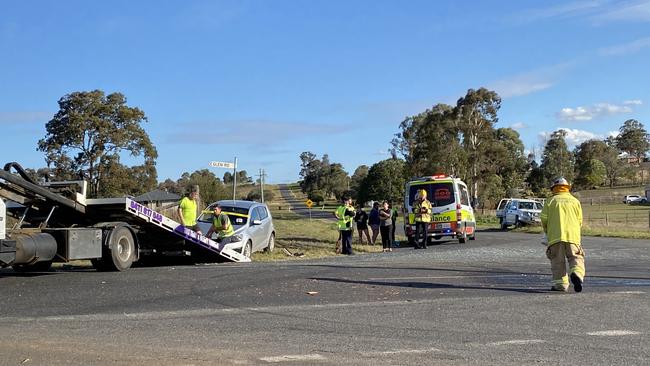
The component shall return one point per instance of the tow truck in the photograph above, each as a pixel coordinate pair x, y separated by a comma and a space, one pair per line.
56, 222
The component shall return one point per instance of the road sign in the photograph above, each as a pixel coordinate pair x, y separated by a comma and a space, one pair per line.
309, 203
221, 164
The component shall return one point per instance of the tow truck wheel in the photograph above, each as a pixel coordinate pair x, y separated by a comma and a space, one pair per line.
271, 245
120, 252
247, 249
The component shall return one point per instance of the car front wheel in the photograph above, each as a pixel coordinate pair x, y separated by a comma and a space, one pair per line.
247, 249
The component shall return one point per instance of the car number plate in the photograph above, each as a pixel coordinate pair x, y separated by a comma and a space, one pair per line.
444, 225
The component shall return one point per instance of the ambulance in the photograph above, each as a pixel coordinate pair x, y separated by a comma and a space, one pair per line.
452, 214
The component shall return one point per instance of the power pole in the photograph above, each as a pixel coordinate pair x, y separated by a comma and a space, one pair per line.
262, 175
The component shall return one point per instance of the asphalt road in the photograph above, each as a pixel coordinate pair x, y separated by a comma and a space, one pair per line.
299, 207
482, 303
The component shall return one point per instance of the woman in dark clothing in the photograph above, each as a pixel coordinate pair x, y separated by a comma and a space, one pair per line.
385, 225
393, 219
361, 218
373, 221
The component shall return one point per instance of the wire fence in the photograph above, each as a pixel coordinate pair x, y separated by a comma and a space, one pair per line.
631, 218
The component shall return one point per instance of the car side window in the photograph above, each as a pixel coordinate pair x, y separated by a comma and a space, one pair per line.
255, 215
262, 212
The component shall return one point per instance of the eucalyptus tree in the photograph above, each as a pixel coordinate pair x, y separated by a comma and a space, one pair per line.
476, 115
429, 142
89, 130
557, 160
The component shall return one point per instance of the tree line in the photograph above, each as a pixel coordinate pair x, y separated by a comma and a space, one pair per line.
85, 140
462, 140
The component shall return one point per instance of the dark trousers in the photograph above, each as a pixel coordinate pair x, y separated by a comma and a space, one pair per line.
421, 234
346, 242
385, 236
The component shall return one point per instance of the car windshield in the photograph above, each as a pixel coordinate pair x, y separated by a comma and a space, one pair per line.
530, 206
439, 194
238, 216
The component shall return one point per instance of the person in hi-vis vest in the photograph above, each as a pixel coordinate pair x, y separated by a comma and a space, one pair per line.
345, 216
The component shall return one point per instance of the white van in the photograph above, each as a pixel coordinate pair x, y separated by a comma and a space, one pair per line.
452, 214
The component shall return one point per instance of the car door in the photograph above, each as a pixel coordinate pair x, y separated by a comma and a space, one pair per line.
253, 228
511, 212
265, 228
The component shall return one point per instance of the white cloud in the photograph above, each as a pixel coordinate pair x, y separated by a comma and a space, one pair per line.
259, 134
518, 126
625, 11
598, 110
573, 138
529, 82
564, 10
626, 48
25, 117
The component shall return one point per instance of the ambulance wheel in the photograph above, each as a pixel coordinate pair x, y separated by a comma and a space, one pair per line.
473, 237
462, 239
120, 252
247, 249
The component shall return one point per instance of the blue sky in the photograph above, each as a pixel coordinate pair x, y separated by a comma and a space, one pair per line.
267, 80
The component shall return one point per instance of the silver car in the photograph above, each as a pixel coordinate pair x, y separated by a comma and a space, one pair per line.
252, 222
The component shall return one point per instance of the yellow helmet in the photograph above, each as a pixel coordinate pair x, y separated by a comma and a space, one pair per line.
422, 193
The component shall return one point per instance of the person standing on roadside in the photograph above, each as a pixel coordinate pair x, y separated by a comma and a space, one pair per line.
385, 225
562, 220
373, 221
422, 211
393, 218
361, 218
345, 215
187, 209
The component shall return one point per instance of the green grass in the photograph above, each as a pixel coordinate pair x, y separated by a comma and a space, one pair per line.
314, 238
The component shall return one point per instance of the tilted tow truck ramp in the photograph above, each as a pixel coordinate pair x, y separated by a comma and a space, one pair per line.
172, 226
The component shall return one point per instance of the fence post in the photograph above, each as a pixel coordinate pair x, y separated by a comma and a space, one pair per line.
606, 219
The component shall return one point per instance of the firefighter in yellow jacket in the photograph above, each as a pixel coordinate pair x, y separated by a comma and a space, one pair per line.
562, 221
422, 211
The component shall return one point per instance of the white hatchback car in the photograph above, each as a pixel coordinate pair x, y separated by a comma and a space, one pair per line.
252, 222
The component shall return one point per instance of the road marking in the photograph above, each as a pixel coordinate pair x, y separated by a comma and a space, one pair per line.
399, 352
630, 292
613, 333
293, 358
516, 342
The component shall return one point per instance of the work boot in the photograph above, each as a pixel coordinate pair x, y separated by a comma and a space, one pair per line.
577, 282
555, 289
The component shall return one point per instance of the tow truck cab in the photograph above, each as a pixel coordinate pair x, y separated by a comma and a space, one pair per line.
452, 214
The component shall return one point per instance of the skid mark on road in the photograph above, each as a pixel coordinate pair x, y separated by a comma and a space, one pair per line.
440, 277
398, 352
516, 342
293, 358
613, 333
